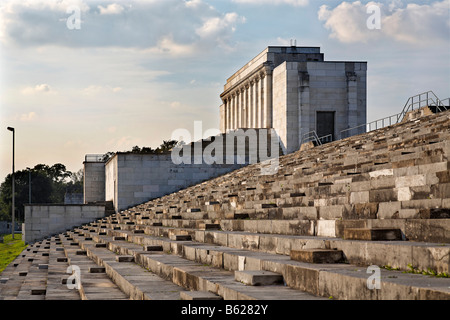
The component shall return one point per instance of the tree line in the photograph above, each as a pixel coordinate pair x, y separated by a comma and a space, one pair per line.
165, 147
49, 184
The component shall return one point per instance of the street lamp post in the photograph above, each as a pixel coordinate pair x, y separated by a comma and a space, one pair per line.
13, 184
29, 185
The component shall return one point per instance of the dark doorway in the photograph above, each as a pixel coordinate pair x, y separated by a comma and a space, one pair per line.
325, 124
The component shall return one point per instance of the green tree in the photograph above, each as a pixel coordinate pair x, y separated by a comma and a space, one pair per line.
48, 185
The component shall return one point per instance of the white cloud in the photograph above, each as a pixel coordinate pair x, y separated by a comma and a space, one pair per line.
420, 24
414, 24
296, 3
113, 8
95, 90
77, 143
124, 143
92, 90
175, 104
112, 129
167, 46
28, 117
38, 89
216, 26
177, 27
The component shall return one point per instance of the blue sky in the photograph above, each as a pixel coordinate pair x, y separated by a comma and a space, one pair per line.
135, 71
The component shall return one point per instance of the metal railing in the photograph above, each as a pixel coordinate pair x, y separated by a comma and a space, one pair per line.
370, 126
446, 103
94, 158
426, 99
312, 136
419, 101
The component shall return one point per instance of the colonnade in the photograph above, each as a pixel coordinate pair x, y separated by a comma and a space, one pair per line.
249, 104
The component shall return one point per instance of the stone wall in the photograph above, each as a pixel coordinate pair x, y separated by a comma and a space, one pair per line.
94, 181
132, 179
43, 220
301, 89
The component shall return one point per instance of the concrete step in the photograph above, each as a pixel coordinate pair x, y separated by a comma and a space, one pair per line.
17, 281
132, 279
56, 289
398, 254
199, 295
34, 282
196, 276
372, 234
93, 286
258, 277
337, 280
318, 255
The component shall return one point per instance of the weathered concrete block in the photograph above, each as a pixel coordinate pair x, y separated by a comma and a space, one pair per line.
180, 237
317, 255
372, 234
326, 228
97, 270
125, 258
153, 248
258, 277
359, 197
199, 295
410, 181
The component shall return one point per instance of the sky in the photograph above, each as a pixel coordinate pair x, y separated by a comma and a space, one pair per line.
84, 77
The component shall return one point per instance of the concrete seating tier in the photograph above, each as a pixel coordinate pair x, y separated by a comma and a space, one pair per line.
202, 266
400, 172
311, 231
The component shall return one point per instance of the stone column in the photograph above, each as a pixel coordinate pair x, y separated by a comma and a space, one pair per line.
238, 107
225, 115
267, 106
253, 90
246, 107
230, 116
230, 101
234, 120
241, 106
251, 104
262, 99
257, 102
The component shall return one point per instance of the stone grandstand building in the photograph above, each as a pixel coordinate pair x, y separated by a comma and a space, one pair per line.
366, 217
290, 91
295, 91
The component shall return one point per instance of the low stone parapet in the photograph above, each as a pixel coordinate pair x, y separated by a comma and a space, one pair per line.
43, 220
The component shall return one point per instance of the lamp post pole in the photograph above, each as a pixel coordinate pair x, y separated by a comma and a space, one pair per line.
29, 185
13, 184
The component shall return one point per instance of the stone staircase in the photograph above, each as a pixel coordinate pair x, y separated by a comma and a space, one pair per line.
323, 225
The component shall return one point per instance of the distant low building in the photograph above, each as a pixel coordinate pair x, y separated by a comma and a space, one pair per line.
73, 198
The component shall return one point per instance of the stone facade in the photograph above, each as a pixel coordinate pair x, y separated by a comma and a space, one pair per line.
293, 90
131, 179
94, 181
43, 220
